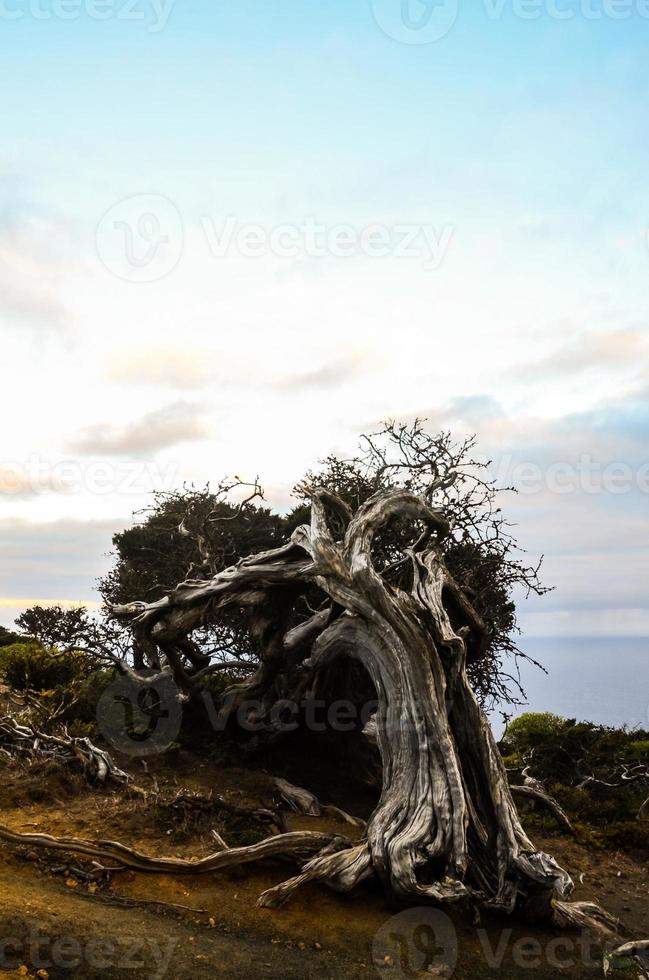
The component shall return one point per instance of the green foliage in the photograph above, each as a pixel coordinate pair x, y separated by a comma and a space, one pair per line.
68, 685
530, 730
568, 751
27, 667
589, 769
84, 693
7, 638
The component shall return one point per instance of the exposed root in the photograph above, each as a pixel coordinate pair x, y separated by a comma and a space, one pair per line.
585, 915
341, 867
297, 846
303, 801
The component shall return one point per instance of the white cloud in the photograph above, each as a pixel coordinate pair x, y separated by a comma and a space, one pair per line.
163, 428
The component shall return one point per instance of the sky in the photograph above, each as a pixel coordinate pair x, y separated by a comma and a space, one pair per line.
236, 235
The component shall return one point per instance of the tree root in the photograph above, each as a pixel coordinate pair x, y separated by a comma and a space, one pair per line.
585, 915
296, 846
303, 801
134, 903
337, 862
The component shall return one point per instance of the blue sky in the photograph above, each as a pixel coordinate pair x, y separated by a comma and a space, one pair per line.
146, 345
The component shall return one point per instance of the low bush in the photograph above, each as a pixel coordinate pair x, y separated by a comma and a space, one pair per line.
27, 667
70, 683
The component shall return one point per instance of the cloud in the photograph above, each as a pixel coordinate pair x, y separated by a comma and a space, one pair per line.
32, 270
328, 375
161, 429
17, 481
200, 368
601, 350
170, 368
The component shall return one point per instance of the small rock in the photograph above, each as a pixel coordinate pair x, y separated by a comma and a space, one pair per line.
212, 922
72, 883
317, 946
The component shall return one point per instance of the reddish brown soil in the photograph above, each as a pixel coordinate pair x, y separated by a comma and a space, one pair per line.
317, 935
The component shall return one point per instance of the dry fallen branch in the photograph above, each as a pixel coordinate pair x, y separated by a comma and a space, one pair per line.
26, 742
540, 796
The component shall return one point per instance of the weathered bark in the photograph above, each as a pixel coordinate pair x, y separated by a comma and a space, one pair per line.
446, 827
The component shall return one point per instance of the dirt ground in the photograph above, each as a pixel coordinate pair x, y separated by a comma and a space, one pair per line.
54, 923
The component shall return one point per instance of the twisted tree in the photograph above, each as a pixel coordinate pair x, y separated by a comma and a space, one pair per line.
445, 827
395, 585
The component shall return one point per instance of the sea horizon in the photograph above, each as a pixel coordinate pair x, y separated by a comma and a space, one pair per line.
604, 680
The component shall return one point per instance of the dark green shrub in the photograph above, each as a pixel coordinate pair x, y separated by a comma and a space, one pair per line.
26, 666
7, 638
68, 686
531, 730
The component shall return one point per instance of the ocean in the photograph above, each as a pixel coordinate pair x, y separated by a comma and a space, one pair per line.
603, 680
